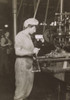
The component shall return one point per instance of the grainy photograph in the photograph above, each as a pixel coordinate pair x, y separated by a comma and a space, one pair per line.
34, 49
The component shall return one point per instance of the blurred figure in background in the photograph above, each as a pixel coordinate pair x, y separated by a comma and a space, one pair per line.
7, 34
4, 43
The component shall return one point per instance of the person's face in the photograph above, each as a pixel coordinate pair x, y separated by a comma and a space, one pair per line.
33, 30
7, 34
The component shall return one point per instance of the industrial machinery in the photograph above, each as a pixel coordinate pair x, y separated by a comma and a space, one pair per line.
58, 60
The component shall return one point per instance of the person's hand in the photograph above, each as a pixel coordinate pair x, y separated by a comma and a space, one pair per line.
36, 50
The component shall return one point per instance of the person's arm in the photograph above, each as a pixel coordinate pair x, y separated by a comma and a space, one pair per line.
20, 48
9, 42
21, 51
3, 42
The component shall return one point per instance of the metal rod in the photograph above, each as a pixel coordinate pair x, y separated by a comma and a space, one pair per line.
14, 7
57, 6
35, 3
21, 2
53, 59
66, 13
46, 14
36, 8
61, 8
54, 71
38, 69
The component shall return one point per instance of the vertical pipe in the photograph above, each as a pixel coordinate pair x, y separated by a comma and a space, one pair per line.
14, 7
61, 9
60, 19
46, 14
69, 26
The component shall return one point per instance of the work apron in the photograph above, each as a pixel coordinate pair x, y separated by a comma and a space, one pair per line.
24, 77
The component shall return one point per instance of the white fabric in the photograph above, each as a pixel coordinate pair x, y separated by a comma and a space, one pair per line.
23, 66
24, 78
31, 21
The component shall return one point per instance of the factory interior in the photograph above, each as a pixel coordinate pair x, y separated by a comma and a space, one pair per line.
52, 64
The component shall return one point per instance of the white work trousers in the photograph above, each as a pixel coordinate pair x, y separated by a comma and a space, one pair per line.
24, 78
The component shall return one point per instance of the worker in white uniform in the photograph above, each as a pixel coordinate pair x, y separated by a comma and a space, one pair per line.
24, 50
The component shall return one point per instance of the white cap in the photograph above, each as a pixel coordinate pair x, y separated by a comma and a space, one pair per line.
30, 21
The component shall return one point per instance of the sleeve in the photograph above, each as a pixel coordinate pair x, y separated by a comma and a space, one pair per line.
20, 47
2, 41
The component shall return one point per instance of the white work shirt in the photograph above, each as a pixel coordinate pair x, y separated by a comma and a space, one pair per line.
23, 44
